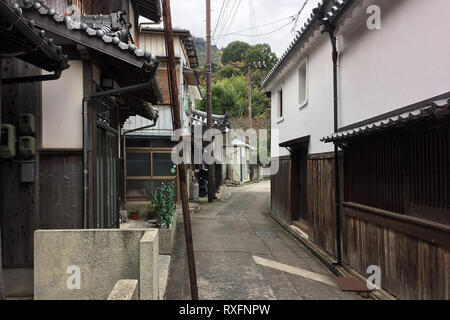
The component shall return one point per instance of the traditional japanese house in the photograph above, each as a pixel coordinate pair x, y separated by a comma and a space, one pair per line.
66, 174
382, 98
149, 145
199, 121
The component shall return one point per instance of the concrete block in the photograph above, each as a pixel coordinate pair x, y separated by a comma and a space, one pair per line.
99, 257
164, 265
149, 266
125, 290
167, 238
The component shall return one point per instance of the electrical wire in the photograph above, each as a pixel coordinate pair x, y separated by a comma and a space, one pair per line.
261, 35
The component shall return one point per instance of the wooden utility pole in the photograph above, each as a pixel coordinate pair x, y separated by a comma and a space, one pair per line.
2, 286
250, 120
211, 167
175, 103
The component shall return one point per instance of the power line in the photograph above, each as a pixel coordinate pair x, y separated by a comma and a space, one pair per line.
233, 15
263, 25
261, 35
220, 16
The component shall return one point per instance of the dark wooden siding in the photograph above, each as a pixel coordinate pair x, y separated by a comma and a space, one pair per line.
18, 201
321, 204
61, 191
410, 268
280, 191
406, 172
396, 209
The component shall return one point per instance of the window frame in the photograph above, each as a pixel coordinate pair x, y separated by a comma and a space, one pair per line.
280, 109
304, 64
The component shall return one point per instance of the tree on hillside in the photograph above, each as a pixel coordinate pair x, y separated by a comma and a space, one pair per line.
231, 95
261, 57
235, 52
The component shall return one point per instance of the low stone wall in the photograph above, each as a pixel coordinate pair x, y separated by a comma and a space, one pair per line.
86, 264
125, 290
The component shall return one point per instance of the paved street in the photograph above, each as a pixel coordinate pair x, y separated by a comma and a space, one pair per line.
241, 253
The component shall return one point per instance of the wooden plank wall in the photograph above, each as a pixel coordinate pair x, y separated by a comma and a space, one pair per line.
411, 268
280, 191
321, 208
61, 186
18, 201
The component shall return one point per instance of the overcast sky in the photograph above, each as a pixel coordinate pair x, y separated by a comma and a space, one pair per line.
190, 14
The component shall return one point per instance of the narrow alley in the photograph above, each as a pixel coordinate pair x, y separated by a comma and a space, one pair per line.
241, 253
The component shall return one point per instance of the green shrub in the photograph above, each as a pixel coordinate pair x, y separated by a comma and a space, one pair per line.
162, 203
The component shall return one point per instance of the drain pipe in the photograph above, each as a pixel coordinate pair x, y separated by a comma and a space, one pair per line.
109, 93
330, 28
337, 179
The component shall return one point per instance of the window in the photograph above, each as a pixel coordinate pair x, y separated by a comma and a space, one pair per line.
149, 164
406, 172
280, 104
303, 84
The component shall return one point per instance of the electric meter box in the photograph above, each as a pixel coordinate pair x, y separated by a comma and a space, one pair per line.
8, 141
27, 146
27, 124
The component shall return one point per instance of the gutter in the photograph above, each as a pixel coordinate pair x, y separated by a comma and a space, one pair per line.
113, 92
40, 78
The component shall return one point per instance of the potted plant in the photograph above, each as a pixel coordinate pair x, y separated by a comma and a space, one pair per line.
162, 203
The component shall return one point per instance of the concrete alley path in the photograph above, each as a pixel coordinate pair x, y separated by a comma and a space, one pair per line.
241, 253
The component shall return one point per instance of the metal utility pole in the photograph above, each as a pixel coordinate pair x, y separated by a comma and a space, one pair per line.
175, 103
211, 167
250, 120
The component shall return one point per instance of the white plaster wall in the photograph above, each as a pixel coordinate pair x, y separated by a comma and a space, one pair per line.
316, 118
62, 109
407, 61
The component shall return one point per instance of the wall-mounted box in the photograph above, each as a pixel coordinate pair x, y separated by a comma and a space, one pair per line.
8, 141
27, 171
27, 124
27, 146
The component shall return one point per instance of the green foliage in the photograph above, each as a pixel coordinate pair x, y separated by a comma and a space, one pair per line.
260, 56
235, 52
162, 203
200, 47
230, 83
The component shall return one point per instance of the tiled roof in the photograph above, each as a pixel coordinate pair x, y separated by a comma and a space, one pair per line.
185, 36
312, 23
150, 9
105, 28
50, 57
200, 117
425, 111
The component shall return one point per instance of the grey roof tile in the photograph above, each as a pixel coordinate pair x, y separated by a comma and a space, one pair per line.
101, 26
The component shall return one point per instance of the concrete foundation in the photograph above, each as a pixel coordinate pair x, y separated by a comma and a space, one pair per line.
86, 264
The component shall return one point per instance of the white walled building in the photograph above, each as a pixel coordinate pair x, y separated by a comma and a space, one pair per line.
393, 91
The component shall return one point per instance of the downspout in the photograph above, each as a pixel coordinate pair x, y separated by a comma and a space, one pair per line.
109, 93
337, 179
330, 28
